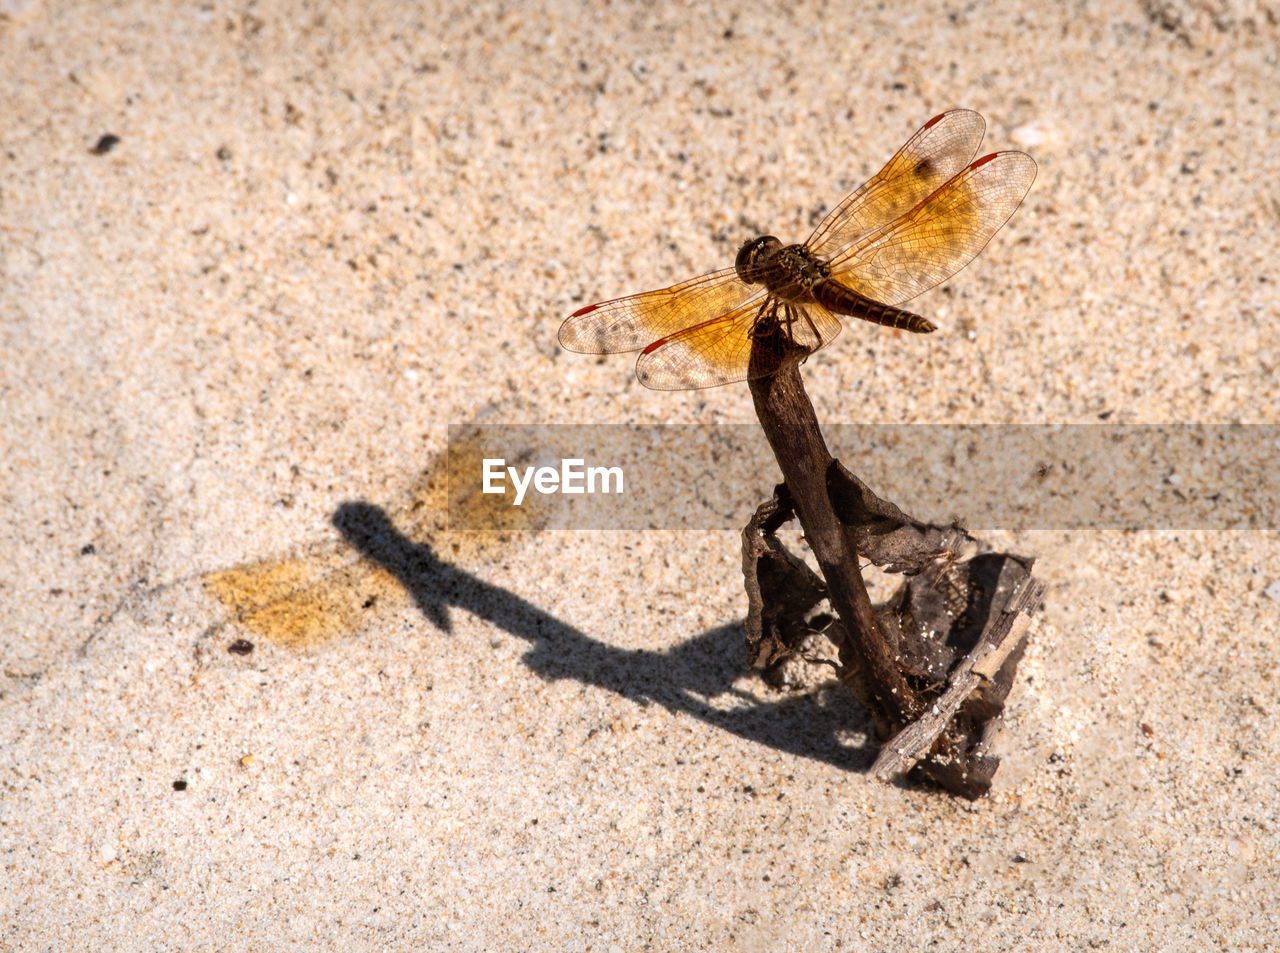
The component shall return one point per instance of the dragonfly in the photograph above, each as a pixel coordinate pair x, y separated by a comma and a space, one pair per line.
922, 218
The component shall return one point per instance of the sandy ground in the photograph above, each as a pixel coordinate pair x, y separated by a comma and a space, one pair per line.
326, 233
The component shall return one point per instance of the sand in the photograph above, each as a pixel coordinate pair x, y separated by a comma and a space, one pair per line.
238, 334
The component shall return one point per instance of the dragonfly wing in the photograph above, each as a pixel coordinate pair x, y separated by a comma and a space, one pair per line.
719, 351
941, 235
941, 148
630, 323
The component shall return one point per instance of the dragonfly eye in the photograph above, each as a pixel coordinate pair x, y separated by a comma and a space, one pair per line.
752, 254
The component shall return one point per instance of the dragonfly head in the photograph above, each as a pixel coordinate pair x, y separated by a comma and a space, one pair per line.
752, 255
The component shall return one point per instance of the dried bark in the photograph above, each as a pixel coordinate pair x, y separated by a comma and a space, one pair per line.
933, 664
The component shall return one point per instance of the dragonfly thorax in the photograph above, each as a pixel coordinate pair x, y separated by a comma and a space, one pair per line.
788, 271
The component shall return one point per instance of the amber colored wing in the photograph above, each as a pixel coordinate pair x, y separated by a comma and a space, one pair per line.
630, 323
939, 236
941, 148
719, 351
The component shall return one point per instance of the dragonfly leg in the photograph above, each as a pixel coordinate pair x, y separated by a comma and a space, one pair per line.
764, 325
793, 318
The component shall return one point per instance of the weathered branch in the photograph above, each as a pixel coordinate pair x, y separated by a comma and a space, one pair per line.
1005, 631
791, 428
934, 664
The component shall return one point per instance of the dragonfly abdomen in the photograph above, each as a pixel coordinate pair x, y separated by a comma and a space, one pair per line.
837, 298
